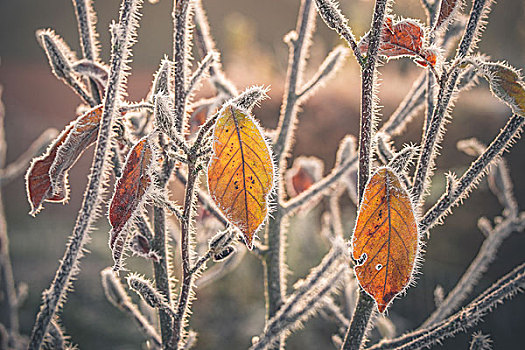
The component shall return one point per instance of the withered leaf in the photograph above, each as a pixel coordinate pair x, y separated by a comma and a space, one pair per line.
507, 85
405, 38
385, 239
240, 173
129, 195
447, 10
46, 178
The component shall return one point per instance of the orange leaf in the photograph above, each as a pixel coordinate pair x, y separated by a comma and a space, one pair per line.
401, 39
129, 195
240, 173
46, 178
385, 240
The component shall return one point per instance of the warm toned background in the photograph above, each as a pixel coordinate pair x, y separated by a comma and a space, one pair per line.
249, 34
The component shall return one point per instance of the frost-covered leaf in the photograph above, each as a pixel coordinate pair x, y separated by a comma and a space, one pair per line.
506, 84
240, 173
385, 239
447, 12
405, 38
131, 192
46, 178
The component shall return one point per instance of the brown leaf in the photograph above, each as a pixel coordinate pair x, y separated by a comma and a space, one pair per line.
405, 38
385, 240
507, 85
447, 10
129, 195
240, 173
46, 178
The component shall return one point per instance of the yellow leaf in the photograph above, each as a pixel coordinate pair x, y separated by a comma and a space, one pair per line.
240, 173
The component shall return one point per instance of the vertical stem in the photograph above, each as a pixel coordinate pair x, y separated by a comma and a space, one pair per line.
162, 268
86, 21
433, 135
430, 99
56, 294
187, 277
273, 274
367, 97
298, 47
365, 304
180, 60
274, 259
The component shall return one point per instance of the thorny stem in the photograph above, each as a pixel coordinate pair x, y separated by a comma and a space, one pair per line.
471, 176
185, 247
291, 319
274, 260
85, 20
365, 304
298, 51
479, 265
446, 91
69, 263
180, 60
333, 18
466, 318
161, 268
205, 45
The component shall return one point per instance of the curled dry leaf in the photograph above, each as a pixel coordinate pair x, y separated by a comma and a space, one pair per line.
507, 85
130, 194
304, 173
240, 173
46, 178
447, 12
405, 38
385, 240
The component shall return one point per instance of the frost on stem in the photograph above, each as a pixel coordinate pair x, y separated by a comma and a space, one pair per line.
148, 293
480, 341
117, 295
122, 39
468, 317
473, 174
60, 57
498, 177
335, 20
331, 64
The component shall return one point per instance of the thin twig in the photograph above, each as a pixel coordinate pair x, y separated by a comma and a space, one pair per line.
447, 90
87, 214
468, 317
479, 265
471, 177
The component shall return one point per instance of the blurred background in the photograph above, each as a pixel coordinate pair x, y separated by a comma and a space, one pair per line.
249, 35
